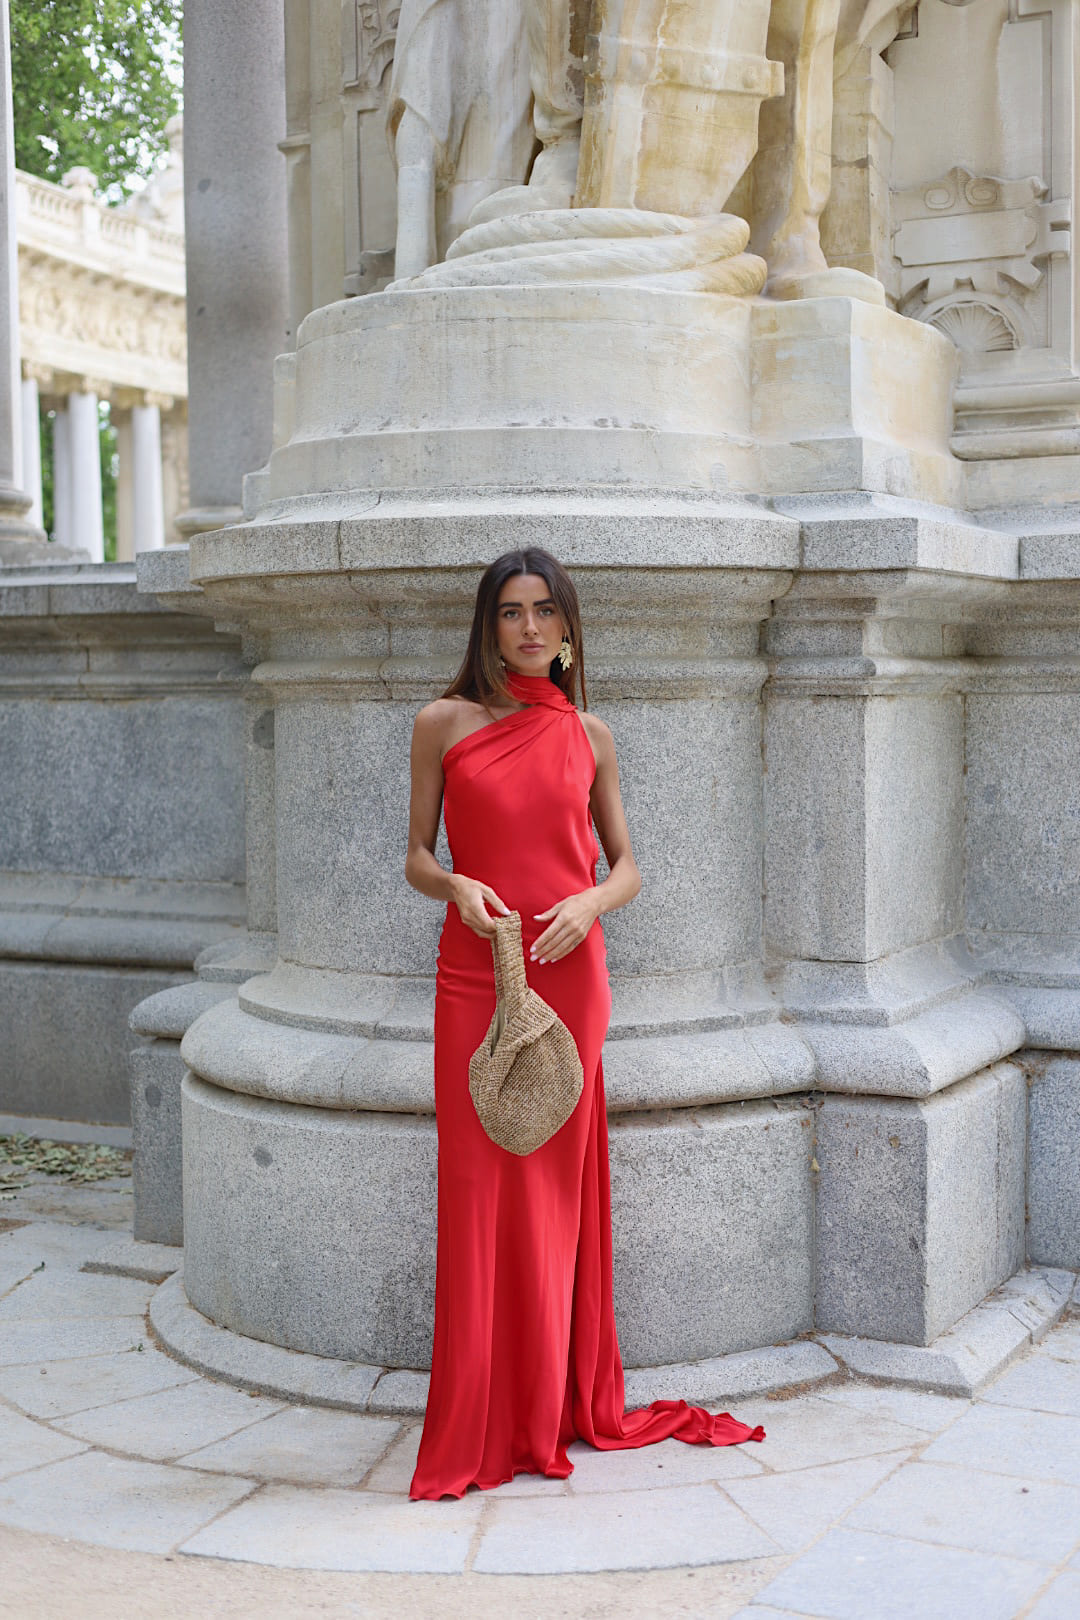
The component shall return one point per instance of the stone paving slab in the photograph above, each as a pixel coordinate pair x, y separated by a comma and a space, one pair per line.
626, 1530
24, 1444
1064, 1343
915, 1408
170, 1422
1060, 1602
52, 1241
115, 1502
671, 1462
302, 1445
58, 1388
853, 1575
811, 1431
1041, 1383
149, 1262
795, 1508
59, 1296
292, 1528
964, 1507
1008, 1440
21, 1342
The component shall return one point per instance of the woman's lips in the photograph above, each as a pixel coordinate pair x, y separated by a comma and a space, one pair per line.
532, 646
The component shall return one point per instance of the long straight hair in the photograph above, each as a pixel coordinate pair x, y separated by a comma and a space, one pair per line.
482, 676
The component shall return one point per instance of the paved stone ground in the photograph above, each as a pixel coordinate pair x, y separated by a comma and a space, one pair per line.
130, 1484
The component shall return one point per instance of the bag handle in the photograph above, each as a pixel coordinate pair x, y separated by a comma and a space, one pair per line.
506, 947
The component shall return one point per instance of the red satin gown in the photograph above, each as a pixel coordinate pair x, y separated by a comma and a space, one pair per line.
525, 1355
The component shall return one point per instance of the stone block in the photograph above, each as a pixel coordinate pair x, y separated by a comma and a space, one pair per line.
250, 1364
1023, 810
157, 1172
64, 1040
147, 1262
309, 1228
1053, 1230
920, 1206
731, 1378
341, 1263
703, 1264
862, 811
968, 1355
150, 788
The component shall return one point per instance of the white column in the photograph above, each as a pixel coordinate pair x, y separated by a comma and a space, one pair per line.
125, 513
87, 529
147, 494
62, 476
31, 447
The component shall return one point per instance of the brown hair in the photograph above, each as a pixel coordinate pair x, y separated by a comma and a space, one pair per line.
481, 676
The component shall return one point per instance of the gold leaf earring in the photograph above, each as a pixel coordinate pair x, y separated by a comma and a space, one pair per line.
565, 654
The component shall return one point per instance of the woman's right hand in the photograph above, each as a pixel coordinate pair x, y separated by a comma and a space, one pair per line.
469, 895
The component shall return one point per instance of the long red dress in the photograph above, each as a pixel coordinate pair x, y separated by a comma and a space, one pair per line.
525, 1354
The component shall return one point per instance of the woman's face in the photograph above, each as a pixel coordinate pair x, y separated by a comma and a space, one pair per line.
528, 624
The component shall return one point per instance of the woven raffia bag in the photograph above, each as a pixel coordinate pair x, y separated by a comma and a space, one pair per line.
525, 1077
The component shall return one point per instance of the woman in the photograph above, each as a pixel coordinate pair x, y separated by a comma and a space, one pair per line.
525, 1355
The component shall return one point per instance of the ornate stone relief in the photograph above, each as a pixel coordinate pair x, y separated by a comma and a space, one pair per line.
369, 40
981, 208
978, 230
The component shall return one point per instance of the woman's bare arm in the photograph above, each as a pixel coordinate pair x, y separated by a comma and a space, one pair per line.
422, 869
605, 802
571, 918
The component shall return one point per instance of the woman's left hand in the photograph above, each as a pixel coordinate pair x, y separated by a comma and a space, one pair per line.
571, 920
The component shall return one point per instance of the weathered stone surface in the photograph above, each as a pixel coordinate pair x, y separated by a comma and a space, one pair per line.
1023, 811
156, 1072
862, 823
538, 1537
1053, 1231
739, 1267
732, 1377
149, 1262
847, 1570
268, 1369
145, 817
963, 1359
41, 1006
920, 1206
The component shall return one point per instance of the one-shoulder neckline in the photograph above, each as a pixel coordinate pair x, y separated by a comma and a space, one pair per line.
491, 724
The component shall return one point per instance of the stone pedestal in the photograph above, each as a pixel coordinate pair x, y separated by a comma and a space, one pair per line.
491, 416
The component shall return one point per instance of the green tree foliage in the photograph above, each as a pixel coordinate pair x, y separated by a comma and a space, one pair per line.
94, 82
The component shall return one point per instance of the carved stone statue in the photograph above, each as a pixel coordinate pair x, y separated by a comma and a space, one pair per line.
644, 122
458, 117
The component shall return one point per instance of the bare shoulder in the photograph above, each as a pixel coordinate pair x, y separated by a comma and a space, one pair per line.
438, 718
599, 735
